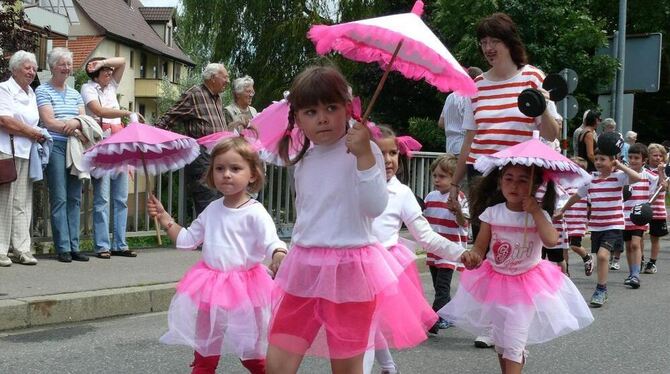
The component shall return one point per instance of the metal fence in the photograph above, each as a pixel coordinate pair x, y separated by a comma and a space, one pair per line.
277, 196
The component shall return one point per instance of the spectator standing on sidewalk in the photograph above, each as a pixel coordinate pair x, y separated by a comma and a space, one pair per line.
58, 104
240, 109
201, 112
18, 131
99, 95
451, 118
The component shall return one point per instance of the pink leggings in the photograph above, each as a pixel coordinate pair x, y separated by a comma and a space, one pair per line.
207, 364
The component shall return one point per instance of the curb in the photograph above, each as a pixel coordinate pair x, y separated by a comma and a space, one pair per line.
45, 310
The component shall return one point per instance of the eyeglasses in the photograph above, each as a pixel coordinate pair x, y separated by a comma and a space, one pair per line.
489, 43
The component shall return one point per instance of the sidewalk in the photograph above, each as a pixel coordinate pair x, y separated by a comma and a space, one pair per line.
54, 292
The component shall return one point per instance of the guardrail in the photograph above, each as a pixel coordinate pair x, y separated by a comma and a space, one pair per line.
277, 196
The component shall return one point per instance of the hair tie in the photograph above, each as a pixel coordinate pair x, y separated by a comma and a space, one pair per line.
407, 145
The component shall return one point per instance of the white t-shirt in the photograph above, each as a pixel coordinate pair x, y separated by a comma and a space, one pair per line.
336, 203
91, 91
22, 106
452, 112
232, 239
507, 253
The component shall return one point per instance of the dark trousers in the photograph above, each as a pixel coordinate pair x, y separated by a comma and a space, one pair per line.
195, 185
442, 285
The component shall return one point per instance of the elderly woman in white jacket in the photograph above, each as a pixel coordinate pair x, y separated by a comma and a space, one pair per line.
18, 130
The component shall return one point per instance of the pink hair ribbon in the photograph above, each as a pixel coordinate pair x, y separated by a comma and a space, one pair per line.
407, 145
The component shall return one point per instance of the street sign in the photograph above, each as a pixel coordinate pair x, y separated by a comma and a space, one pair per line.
642, 71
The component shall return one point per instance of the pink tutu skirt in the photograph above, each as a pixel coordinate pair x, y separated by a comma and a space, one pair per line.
407, 259
517, 310
216, 312
339, 302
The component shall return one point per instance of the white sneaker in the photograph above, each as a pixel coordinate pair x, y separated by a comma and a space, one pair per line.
615, 264
5, 261
26, 258
483, 341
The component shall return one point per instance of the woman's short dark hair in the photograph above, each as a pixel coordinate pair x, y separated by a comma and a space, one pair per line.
93, 74
501, 26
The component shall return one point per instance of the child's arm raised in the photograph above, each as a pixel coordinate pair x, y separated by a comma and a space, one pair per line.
548, 233
372, 192
155, 209
574, 198
633, 175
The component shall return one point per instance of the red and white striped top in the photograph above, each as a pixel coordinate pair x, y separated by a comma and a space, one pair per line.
559, 224
494, 114
444, 223
658, 206
606, 197
640, 192
576, 215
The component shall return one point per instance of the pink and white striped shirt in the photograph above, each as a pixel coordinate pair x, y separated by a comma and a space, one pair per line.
443, 222
640, 192
494, 114
606, 197
658, 205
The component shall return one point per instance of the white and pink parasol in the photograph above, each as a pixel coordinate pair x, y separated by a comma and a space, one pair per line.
422, 55
141, 147
534, 152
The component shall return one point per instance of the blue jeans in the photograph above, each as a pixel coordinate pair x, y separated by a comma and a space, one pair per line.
64, 200
104, 189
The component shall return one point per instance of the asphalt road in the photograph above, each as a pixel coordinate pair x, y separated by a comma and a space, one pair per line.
631, 334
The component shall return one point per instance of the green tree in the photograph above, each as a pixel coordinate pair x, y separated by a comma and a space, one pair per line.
13, 33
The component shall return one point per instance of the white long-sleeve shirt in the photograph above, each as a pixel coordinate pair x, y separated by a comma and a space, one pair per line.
402, 208
336, 202
232, 239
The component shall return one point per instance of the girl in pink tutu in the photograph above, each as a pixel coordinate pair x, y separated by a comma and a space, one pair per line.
339, 286
402, 208
223, 303
522, 299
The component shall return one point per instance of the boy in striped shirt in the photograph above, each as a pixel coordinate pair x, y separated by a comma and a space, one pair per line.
449, 221
605, 192
640, 192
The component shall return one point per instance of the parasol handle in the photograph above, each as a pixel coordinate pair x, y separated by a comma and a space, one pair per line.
530, 191
146, 192
364, 120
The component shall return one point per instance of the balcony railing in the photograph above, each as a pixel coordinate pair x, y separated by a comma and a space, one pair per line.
277, 196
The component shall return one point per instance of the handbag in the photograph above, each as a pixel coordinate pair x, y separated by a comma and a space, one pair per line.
8, 167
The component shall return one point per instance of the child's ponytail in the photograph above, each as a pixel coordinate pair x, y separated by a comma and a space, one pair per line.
286, 142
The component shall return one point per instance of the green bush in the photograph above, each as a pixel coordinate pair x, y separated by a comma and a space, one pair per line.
426, 131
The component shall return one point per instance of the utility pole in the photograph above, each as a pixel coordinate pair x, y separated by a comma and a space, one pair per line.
621, 56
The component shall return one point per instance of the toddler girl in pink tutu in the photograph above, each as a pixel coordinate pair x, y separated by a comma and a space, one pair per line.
336, 282
515, 295
403, 208
223, 303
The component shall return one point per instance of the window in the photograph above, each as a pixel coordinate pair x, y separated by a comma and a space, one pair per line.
132, 58
143, 109
165, 69
154, 72
143, 65
176, 72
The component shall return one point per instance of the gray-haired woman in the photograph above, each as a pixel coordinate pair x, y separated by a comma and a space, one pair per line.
18, 130
58, 104
241, 109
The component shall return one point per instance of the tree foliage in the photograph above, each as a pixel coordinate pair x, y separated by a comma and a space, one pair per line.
267, 40
14, 35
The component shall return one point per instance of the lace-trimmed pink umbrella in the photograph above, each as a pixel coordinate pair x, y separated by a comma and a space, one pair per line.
399, 42
141, 147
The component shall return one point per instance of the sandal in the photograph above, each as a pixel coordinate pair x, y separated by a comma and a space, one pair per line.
105, 255
124, 253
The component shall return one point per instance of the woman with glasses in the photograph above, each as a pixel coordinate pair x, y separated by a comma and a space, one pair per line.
99, 95
241, 109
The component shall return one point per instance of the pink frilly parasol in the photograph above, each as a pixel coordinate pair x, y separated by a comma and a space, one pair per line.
271, 124
556, 167
141, 147
422, 55
211, 140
